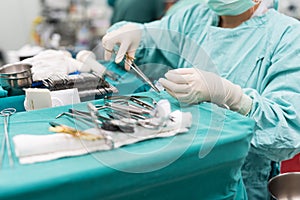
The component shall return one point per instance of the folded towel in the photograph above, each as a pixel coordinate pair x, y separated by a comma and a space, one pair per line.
39, 148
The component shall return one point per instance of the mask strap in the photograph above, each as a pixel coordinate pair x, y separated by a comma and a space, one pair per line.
256, 2
275, 3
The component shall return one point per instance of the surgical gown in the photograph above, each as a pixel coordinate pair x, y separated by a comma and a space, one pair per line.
262, 55
137, 10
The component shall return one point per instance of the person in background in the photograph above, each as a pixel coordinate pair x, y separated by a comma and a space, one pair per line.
3, 93
290, 8
2, 61
180, 5
137, 10
238, 54
111, 2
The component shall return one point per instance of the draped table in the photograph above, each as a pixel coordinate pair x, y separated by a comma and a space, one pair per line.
203, 163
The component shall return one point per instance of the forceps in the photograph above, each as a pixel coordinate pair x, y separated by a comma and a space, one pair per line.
6, 113
137, 70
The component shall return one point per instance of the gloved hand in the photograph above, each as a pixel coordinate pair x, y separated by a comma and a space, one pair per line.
190, 85
89, 62
52, 62
127, 37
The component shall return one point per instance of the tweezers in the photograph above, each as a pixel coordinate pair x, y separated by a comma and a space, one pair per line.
139, 72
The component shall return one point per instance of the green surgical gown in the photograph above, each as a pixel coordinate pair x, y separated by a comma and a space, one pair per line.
137, 10
262, 55
181, 4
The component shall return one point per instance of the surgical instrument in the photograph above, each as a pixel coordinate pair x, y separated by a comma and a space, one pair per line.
84, 119
130, 61
135, 99
139, 72
129, 109
6, 113
59, 128
93, 112
105, 122
108, 123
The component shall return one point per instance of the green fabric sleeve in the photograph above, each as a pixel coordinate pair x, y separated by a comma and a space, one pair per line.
274, 102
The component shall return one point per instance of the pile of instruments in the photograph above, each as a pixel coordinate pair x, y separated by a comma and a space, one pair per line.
88, 84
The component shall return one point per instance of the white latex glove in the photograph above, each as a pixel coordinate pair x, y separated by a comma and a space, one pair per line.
190, 85
50, 62
127, 37
89, 62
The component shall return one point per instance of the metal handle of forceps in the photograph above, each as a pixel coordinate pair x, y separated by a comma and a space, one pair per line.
137, 70
6, 113
140, 73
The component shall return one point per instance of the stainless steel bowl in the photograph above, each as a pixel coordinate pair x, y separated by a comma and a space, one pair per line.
19, 70
285, 186
15, 77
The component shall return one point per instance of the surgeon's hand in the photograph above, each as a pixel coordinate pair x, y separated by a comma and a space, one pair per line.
127, 37
190, 85
52, 62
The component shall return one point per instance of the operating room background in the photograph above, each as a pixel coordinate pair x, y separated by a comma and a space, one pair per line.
17, 16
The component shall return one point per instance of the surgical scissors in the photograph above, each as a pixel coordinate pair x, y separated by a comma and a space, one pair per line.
6, 113
137, 70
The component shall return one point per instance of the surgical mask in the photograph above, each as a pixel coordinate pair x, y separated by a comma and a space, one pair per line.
230, 7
